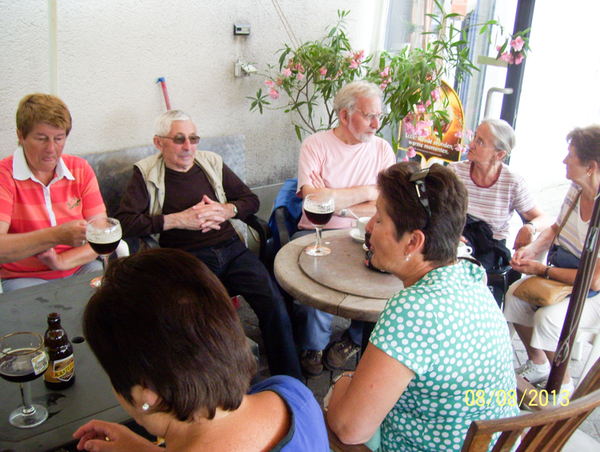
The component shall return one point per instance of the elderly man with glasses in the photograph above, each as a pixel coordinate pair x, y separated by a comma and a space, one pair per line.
343, 162
185, 198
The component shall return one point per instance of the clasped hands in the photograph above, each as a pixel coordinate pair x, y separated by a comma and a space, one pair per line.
205, 216
524, 262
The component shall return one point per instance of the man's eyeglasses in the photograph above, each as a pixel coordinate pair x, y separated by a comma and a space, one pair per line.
371, 116
418, 178
180, 139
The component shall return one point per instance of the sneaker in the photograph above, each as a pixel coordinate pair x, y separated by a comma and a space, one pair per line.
311, 363
340, 352
533, 373
562, 399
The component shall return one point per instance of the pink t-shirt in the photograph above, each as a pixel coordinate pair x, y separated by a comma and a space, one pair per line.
341, 165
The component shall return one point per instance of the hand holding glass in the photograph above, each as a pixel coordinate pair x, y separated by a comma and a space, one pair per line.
319, 209
23, 359
104, 235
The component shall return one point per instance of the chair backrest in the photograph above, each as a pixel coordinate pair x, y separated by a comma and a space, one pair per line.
549, 429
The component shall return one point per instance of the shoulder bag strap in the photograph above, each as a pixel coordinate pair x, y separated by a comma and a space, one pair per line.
562, 224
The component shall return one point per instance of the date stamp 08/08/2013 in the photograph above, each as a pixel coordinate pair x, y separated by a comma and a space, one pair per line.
539, 397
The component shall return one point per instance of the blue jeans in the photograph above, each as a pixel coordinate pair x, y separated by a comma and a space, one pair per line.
243, 274
314, 326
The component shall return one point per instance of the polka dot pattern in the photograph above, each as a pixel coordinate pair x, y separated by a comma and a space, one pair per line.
448, 330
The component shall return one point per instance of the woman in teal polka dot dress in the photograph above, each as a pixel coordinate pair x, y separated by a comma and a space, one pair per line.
440, 355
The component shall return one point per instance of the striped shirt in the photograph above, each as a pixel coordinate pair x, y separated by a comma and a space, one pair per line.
28, 205
572, 236
496, 204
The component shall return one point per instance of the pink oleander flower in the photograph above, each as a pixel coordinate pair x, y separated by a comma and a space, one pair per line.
436, 94
410, 152
353, 64
428, 103
470, 134
383, 86
506, 56
273, 93
323, 71
421, 108
405, 159
286, 72
498, 48
517, 44
300, 76
518, 58
386, 72
359, 56
270, 83
299, 67
459, 134
460, 148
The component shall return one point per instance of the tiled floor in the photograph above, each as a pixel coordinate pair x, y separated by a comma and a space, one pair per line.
550, 199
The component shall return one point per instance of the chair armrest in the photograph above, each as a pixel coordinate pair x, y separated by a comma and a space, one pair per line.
264, 233
149, 242
280, 214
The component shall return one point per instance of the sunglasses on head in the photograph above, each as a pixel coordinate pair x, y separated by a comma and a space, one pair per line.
418, 179
180, 138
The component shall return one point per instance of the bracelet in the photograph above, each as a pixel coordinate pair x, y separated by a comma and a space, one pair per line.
343, 374
343, 213
546, 275
534, 228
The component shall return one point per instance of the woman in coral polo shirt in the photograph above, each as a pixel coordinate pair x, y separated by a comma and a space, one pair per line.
46, 200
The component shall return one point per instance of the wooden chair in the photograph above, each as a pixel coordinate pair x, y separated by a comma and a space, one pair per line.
543, 431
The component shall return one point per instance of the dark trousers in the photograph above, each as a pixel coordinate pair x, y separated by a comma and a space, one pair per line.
242, 273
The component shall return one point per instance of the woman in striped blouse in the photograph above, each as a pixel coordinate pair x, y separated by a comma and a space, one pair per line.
540, 328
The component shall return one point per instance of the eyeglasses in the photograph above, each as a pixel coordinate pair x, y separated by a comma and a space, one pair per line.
371, 116
180, 138
418, 178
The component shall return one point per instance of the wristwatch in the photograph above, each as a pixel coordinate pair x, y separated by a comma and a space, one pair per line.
546, 275
235, 211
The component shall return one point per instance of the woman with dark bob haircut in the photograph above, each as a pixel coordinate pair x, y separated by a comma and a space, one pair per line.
165, 331
439, 339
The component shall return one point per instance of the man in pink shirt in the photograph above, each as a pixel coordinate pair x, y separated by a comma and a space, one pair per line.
343, 162
46, 200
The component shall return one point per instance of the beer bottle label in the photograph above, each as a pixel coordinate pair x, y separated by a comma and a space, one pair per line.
60, 370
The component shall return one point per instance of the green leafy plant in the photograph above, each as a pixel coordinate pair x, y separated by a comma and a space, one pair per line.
311, 75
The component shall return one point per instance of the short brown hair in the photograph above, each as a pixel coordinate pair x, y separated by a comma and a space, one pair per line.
447, 197
35, 108
162, 320
586, 142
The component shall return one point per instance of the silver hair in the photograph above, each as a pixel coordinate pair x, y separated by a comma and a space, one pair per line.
347, 96
504, 135
162, 125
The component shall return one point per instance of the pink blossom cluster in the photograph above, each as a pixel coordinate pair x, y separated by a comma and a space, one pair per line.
355, 59
385, 77
416, 124
516, 55
410, 153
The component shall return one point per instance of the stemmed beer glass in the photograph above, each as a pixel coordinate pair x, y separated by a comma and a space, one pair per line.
23, 359
319, 209
104, 235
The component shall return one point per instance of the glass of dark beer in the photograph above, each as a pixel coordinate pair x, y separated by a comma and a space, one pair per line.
23, 359
104, 235
319, 209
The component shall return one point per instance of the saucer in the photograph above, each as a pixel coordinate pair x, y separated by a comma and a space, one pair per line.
355, 234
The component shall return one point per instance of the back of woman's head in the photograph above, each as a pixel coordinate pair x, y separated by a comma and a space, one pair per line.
447, 198
162, 320
504, 135
46, 108
586, 142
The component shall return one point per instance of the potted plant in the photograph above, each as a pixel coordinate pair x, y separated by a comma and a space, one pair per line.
311, 75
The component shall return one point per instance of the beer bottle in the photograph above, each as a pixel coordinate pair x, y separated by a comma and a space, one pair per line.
61, 369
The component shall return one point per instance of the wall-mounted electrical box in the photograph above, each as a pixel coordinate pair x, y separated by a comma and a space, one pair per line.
241, 29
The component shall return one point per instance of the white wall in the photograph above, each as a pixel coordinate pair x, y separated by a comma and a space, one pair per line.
111, 53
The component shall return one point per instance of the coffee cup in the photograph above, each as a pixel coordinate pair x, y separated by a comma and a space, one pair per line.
464, 250
360, 224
